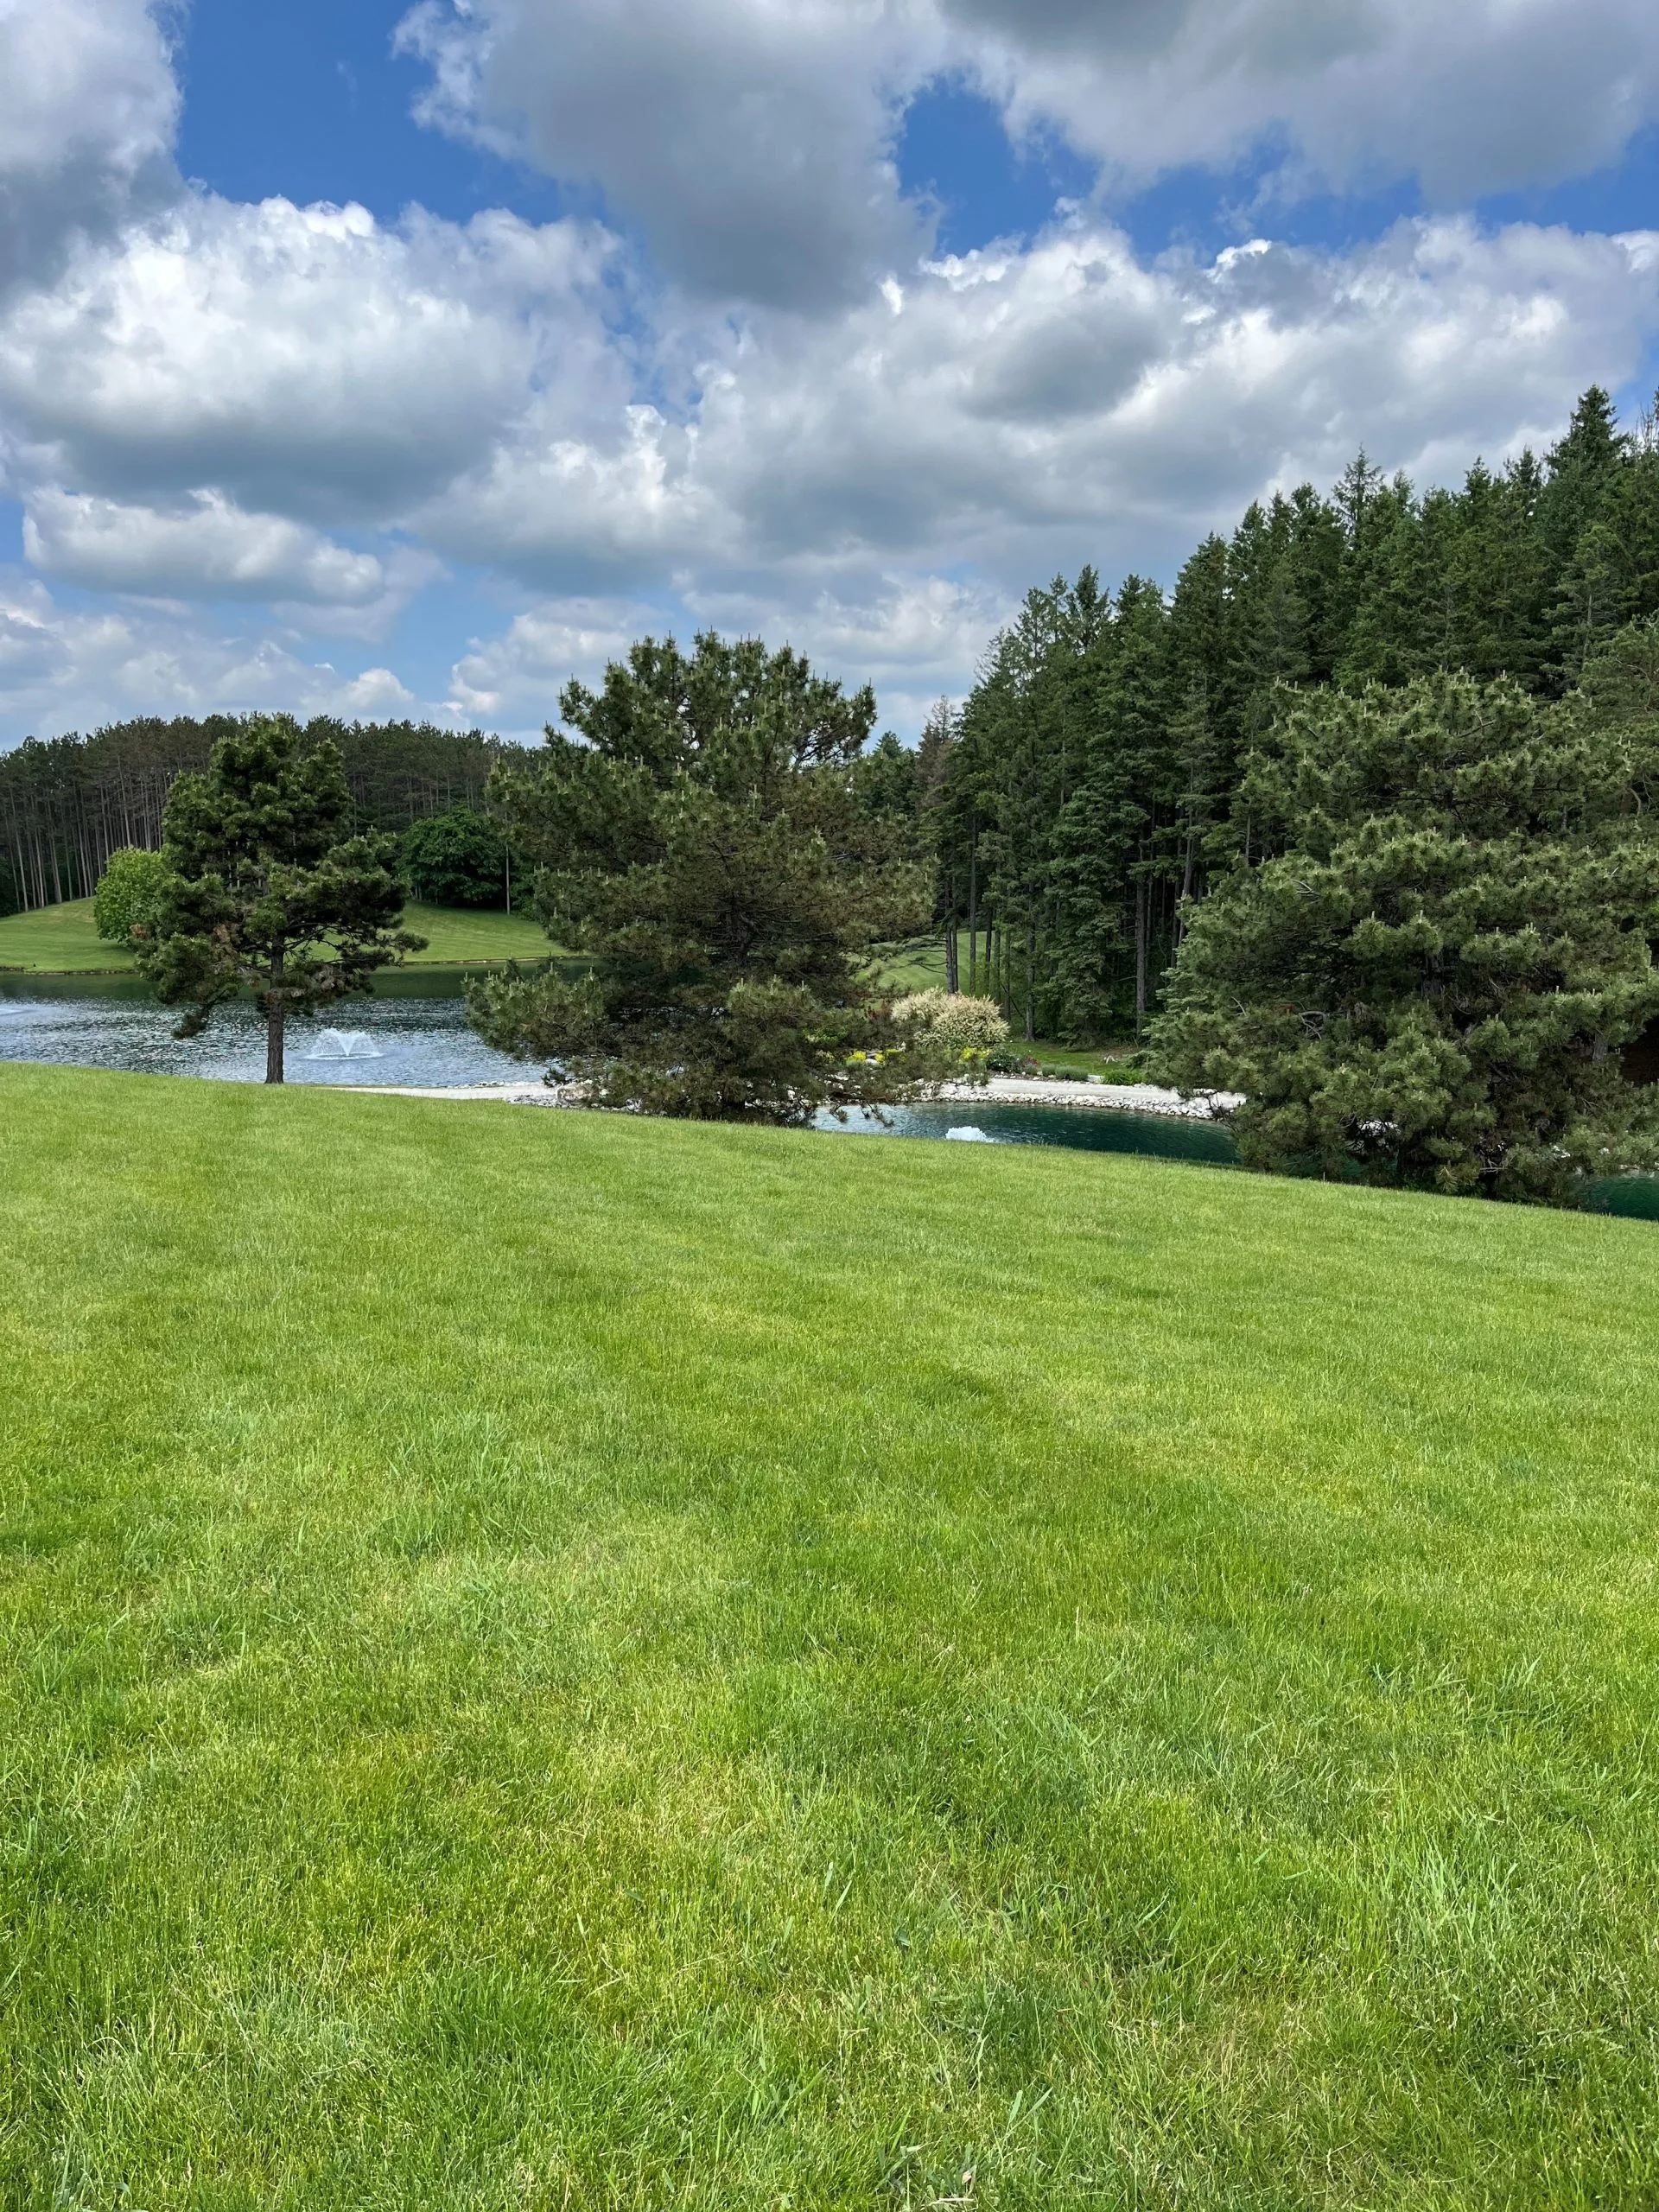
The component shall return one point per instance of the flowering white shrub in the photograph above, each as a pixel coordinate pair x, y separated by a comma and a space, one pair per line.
951, 1023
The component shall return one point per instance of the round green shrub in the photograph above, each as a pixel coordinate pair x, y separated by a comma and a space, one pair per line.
128, 893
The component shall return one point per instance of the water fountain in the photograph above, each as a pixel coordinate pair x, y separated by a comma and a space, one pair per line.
969, 1135
344, 1044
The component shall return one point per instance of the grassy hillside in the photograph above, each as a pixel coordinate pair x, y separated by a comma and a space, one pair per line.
560, 1660
459, 937
61, 940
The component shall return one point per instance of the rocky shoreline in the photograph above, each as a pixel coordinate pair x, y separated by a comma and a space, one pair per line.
1111, 1098
1000, 1090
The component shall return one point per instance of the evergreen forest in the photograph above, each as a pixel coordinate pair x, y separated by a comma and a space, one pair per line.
1097, 779
66, 804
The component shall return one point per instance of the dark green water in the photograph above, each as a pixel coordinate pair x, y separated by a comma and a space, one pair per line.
1078, 1128
1635, 1197
1163, 1137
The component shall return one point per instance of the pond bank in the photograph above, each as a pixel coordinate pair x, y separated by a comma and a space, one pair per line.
1109, 1097
1001, 1090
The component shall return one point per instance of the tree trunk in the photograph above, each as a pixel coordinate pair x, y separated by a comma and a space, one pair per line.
1186, 886
275, 1021
1031, 982
973, 921
1140, 954
952, 961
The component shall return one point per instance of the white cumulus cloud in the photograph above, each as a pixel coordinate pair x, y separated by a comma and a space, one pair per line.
1068, 400
1485, 96
750, 394
752, 142
203, 547
65, 668
88, 107
305, 360
514, 680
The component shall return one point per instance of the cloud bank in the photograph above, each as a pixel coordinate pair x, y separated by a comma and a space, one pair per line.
750, 391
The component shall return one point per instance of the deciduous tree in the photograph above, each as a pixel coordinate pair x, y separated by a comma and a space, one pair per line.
458, 858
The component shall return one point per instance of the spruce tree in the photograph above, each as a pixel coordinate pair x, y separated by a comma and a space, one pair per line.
1584, 468
1316, 556
1391, 594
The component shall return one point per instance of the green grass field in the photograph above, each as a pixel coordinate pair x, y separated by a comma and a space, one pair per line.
558, 1661
61, 940
915, 963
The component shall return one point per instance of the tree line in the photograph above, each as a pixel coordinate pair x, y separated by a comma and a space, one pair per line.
1096, 781
1425, 962
66, 804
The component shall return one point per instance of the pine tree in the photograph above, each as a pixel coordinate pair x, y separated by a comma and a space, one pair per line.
703, 840
1613, 576
264, 890
1429, 977
1390, 591
1315, 565
1580, 467
1583, 469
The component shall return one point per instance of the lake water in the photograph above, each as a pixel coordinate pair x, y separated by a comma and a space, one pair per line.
415, 1029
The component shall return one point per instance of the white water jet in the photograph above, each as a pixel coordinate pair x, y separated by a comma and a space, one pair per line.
344, 1044
969, 1135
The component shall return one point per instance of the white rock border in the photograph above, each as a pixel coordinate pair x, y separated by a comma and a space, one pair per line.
1000, 1090
505, 1094
1109, 1097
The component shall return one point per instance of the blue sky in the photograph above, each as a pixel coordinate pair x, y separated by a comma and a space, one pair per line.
369, 359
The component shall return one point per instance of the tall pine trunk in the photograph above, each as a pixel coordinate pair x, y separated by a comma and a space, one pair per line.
1140, 954
952, 961
1186, 885
1031, 982
973, 916
275, 1021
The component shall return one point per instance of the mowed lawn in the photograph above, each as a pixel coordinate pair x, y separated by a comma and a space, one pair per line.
64, 940
560, 1660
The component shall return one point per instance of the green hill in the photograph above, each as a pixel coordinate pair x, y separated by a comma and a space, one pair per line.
559, 1660
61, 940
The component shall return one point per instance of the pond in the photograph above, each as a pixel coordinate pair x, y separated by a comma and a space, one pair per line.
1077, 1128
422, 1041
413, 1030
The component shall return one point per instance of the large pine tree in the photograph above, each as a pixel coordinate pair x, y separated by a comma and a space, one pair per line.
1098, 783
708, 833
1430, 975
265, 890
